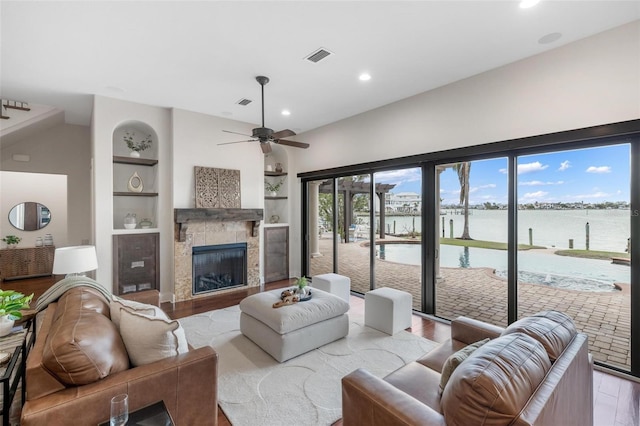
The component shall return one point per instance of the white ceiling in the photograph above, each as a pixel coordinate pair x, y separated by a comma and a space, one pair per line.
203, 56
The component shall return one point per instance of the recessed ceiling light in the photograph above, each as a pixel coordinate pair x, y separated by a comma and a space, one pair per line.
526, 4
365, 77
286, 112
549, 38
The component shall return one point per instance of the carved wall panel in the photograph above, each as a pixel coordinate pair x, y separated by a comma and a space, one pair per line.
217, 188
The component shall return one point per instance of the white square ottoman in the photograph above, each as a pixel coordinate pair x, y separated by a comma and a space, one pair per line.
292, 330
387, 309
334, 284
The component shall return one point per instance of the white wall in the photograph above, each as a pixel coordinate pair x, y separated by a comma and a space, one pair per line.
196, 138
590, 82
47, 189
64, 149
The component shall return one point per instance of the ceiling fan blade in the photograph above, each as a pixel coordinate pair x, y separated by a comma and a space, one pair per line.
292, 143
236, 133
283, 134
229, 143
266, 147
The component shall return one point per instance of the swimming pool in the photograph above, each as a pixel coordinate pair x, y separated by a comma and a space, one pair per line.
535, 266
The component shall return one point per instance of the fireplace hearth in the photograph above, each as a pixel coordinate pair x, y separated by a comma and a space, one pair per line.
218, 267
208, 227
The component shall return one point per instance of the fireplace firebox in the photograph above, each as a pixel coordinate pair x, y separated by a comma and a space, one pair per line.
219, 267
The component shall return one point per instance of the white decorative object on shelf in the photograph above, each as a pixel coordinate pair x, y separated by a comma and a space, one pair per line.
48, 240
130, 221
135, 183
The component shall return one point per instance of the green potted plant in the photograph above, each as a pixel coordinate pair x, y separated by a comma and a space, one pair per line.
136, 147
12, 241
273, 188
11, 304
301, 284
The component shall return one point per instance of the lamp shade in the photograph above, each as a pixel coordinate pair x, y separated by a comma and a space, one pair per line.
75, 260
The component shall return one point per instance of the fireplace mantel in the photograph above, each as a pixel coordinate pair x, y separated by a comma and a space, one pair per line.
183, 216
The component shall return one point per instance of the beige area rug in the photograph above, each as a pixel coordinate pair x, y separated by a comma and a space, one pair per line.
254, 389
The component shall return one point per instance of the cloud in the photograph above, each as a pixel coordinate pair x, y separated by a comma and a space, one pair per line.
399, 176
531, 167
528, 168
597, 194
540, 183
534, 195
564, 166
478, 188
599, 169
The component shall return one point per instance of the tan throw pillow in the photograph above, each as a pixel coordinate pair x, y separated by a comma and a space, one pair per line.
455, 360
149, 339
142, 308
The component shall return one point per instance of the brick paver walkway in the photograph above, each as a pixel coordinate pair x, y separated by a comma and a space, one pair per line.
478, 293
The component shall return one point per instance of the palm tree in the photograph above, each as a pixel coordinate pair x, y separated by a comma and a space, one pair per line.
463, 170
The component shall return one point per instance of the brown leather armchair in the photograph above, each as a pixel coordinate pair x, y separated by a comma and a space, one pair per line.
536, 372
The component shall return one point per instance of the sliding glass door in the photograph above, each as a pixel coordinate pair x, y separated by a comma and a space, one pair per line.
321, 224
398, 224
574, 211
495, 235
471, 264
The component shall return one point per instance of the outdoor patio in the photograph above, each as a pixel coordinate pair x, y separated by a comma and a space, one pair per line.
478, 293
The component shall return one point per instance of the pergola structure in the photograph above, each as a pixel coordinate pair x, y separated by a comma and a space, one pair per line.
349, 189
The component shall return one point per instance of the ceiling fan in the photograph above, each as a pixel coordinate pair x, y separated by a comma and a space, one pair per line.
265, 135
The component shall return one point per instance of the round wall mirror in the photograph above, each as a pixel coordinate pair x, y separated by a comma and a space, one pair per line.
29, 216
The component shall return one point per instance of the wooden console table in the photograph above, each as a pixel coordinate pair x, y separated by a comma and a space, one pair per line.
26, 262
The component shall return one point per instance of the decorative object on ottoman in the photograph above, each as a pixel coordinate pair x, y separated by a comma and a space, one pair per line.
287, 297
387, 309
295, 329
302, 289
334, 284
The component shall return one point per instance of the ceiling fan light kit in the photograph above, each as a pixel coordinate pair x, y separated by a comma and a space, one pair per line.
263, 134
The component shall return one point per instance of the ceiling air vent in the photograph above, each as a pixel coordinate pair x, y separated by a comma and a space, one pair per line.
244, 101
318, 55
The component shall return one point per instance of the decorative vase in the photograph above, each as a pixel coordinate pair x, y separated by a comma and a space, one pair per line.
6, 325
302, 292
135, 183
130, 221
48, 240
278, 168
274, 194
134, 154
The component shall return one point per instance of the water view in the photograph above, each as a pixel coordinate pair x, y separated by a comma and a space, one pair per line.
608, 229
535, 266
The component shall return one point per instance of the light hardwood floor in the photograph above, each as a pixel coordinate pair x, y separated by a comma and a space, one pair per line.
616, 400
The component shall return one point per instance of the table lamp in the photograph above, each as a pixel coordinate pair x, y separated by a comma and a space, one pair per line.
75, 260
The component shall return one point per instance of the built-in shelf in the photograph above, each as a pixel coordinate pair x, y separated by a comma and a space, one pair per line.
266, 173
135, 194
275, 198
134, 161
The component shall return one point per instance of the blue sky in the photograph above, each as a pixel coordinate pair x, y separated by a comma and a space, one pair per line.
592, 175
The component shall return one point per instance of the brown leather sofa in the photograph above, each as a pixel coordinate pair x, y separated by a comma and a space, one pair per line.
537, 371
187, 383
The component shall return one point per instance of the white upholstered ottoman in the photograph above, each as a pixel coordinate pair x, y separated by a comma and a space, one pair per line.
334, 284
387, 309
292, 330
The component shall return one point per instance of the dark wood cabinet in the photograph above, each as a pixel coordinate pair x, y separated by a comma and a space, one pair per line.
276, 253
26, 262
136, 262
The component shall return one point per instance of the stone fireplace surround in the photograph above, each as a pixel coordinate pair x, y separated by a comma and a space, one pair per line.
200, 227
